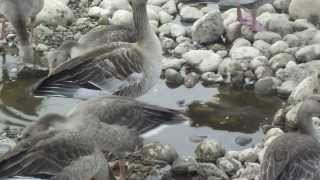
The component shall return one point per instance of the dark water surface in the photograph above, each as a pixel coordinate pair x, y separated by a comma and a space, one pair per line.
218, 113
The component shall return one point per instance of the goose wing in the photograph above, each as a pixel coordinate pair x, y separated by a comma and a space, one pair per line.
116, 68
128, 112
291, 156
47, 155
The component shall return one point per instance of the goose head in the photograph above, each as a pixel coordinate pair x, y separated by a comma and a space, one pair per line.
60, 55
308, 109
45, 123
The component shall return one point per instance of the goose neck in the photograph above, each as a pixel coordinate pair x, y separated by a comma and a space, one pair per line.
141, 21
305, 123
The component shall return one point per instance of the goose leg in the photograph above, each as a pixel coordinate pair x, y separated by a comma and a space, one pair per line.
122, 170
255, 26
240, 18
32, 24
2, 24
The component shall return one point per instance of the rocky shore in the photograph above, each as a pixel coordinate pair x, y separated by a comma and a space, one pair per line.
204, 45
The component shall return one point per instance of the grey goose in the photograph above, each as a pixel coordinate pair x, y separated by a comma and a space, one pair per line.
295, 155
117, 68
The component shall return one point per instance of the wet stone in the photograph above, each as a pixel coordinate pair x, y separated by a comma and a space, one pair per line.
160, 174
248, 155
243, 140
173, 77
191, 80
209, 169
209, 151
251, 171
185, 167
229, 165
160, 152
211, 78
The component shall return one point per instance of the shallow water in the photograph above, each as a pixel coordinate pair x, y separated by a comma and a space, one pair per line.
218, 113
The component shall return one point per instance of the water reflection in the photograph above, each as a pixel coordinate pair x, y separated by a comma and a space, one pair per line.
234, 110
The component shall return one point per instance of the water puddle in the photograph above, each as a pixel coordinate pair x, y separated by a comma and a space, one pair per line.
216, 113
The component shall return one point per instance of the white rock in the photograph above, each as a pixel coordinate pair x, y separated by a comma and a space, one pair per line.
267, 36
244, 53
209, 151
251, 171
266, 85
265, 8
281, 60
282, 5
230, 16
308, 53
306, 36
292, 40
287, 87
208, 28
172, 63
122, 17
263, 71
280, 24
302, 24
167, 43
113, 5
211, 78
304, 9
177, 30
210, 63
190, 14
157, 2
248, 155
278, 47
98, 12
233, 31
263, 47
305, 89
240, 42
273, 132
55, 13
204, 60
258, 61
170, 7
183, 48
165, 17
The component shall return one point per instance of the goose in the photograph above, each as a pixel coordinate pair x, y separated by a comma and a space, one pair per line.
118, 68
295, 155
117, 124
96, 37
18, 12
56, 155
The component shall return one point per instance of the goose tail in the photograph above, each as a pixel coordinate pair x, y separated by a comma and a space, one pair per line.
157, 116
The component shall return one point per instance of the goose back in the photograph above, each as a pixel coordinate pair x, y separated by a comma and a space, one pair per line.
55, 155
128, 112
292, 156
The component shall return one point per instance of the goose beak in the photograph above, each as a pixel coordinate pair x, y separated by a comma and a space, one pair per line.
199, 1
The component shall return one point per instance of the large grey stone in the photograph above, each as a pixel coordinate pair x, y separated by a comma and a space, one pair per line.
208, 28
